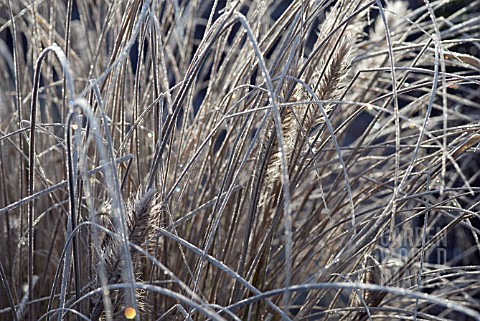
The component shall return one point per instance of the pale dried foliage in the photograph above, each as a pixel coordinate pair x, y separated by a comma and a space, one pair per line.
275, 160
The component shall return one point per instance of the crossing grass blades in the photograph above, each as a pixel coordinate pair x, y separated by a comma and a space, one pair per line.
239, 160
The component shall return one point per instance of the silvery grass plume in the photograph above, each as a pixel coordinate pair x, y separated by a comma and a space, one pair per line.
142, 221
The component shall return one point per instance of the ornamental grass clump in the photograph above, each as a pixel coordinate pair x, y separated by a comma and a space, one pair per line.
239, 160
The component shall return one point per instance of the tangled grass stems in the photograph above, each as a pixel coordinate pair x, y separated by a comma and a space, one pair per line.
239, 160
